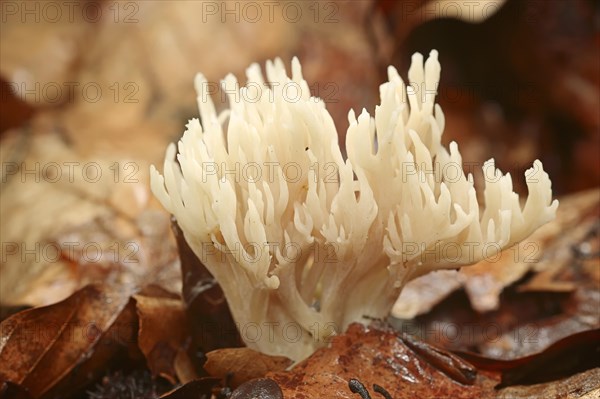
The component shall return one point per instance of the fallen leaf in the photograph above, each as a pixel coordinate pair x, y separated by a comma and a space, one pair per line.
7, 311
579, 313
185, 365
375, 356
579, 386
243, 364
568, 356
421, 294
163, 332
375, 359
63, 346
263, 388
96, 239
576, 240
451, 365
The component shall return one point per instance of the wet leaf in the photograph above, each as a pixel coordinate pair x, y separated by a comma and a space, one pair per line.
242, 364
375, 356
262, 388
372, 361
451, 365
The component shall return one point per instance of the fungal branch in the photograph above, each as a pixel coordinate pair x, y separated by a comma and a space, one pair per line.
304, 242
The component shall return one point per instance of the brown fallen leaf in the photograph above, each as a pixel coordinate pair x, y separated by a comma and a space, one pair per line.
62, 347
263, 388
579, 313
163, 333
576, 353
148, 99
108, 231
579, 386
370, 360
451, 365
576, 241
243, 364
375, 356
423, 293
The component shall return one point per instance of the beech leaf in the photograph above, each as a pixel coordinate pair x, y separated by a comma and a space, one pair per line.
64, 345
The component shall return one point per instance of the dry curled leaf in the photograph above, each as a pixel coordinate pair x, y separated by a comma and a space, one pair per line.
243, 364
60, 348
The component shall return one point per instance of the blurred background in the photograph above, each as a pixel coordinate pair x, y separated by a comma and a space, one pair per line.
92, 92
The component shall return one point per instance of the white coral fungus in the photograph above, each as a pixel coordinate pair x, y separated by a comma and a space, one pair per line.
304, 242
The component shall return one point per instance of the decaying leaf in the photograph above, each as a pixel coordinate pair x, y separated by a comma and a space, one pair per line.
59, 348
62, 347
263, 388
377, 360
374, 356
422, 294
579, 386
576, 353
243, 364
86, 228
163, 333
575, 240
